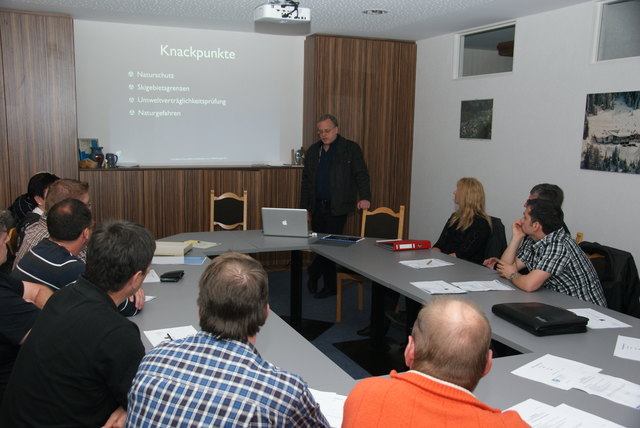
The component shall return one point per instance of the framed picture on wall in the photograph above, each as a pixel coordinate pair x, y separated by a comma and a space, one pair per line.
611, 135
476, 119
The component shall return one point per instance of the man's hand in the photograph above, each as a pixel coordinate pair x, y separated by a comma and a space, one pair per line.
138, 299
117, 418
516, 229
491, 262
364, 205
505, 269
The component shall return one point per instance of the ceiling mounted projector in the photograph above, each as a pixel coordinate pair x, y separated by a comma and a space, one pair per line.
282, 12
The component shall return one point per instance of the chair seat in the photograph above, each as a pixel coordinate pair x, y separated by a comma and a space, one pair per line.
380, 223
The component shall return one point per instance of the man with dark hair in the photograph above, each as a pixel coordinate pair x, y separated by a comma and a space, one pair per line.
228, 383
54, 262
547, 192
447, 353
58, 191
78, 363
553, 259
335, 182
551, 193
20, 304
33, 200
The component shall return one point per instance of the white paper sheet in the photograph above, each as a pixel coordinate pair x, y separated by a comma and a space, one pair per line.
331, 405
156, 337
598, 320
425, 263
627, 347
152, 276
541, 415
167, 260
438, 287
202, 244
482, 285
148, 298
566, 374
555, 371
612, 388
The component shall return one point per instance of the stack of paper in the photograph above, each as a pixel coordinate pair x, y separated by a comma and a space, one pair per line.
538, 414
172, 248
443, 287
331, 406
566, 374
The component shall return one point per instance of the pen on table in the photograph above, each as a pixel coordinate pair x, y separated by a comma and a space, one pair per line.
192, 242
169, 337
429, 262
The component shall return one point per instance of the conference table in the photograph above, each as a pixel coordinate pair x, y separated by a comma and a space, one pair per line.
282, 345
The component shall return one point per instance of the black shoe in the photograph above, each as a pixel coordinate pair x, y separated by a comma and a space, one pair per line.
312, 285
399, 318
364, 331
325, 292
367, 330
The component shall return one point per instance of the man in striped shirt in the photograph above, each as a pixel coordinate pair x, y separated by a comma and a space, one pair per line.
55, 261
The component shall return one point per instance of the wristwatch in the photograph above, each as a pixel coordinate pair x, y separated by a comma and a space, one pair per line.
513, 275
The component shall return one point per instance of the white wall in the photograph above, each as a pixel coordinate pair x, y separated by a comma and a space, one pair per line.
537, 131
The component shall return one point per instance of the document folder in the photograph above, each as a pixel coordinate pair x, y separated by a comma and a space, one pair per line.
400, 245
541, 319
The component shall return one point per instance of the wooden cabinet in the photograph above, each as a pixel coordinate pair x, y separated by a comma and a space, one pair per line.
369, 85
38, 99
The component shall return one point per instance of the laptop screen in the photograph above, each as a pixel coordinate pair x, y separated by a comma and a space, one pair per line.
285, 222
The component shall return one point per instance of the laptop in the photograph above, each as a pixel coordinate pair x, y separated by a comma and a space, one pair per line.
285, 222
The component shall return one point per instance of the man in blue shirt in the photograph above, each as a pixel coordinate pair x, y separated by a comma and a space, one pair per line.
217, 377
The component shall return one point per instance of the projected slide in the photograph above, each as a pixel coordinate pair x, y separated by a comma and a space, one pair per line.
171, 96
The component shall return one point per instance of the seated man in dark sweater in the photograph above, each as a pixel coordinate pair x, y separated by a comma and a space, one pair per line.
54, 261
20, 304
77, 364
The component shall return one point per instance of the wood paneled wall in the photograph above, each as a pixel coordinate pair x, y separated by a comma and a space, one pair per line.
171, 201
369, 85
39, 99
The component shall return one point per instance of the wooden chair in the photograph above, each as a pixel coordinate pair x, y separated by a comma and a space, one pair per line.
381, 223
12, 243
228, 211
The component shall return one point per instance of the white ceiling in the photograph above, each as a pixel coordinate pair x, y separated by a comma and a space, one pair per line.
407, 19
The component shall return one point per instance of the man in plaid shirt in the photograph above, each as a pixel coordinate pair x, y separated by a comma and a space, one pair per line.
554, 260
217, 377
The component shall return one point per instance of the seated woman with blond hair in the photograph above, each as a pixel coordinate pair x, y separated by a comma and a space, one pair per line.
466, 233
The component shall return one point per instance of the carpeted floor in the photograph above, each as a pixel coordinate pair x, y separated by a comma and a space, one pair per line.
345, 331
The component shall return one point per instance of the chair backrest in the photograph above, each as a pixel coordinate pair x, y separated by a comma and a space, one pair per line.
383, 223
228, 211
618, 275
12, 243
497, 242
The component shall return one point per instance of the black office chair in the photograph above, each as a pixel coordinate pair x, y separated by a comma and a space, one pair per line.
381, 223
618, 275
228, 211
497, 242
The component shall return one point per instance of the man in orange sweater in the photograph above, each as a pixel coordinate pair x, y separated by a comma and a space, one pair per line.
448, 352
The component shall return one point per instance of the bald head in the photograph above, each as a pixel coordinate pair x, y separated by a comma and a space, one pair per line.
451, 338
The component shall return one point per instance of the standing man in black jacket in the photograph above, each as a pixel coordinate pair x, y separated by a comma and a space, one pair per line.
335, 182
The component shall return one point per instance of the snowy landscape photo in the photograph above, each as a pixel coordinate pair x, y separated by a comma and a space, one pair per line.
611, 136
476, 119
